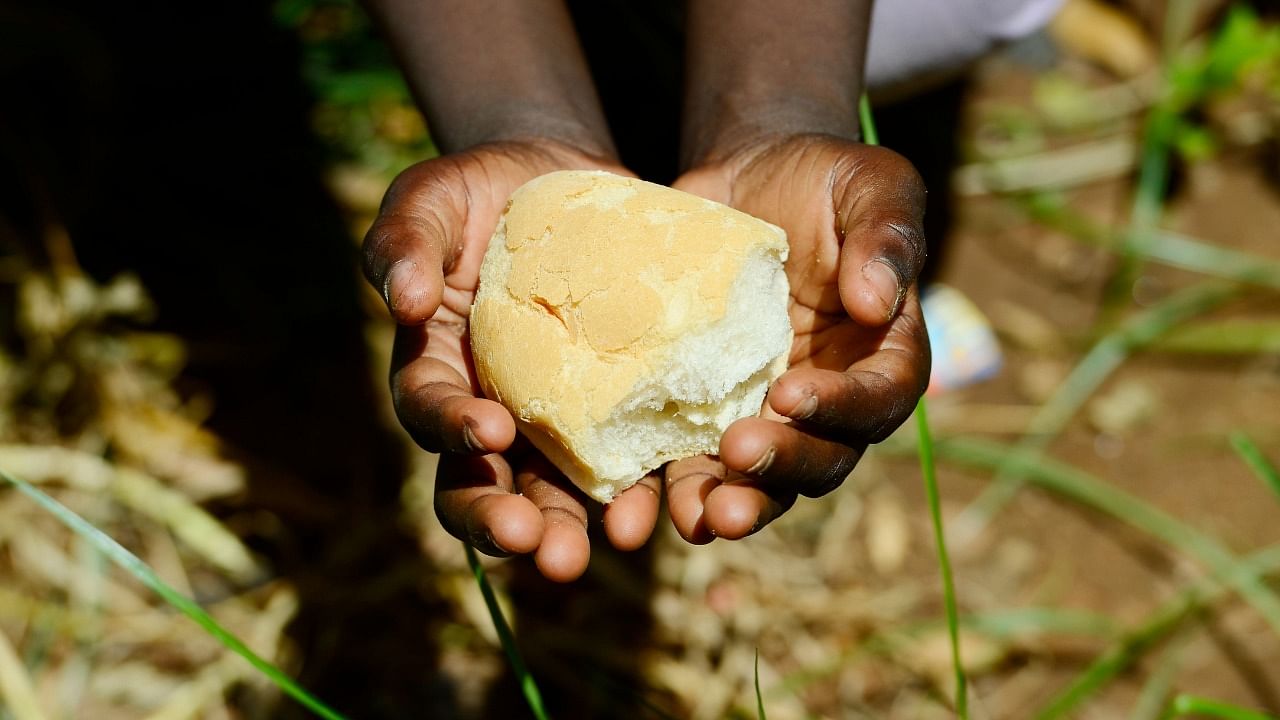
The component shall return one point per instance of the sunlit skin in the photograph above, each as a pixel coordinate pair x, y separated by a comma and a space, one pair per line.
858, 362
860, 355
768, 122
424, 252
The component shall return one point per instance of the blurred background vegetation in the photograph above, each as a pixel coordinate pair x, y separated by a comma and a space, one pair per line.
189, 360
363, 112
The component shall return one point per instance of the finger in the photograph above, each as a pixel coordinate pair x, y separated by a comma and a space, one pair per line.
707, 182
475, 503
629, 520
880, 199
412, 240
688, 483
565, 550
867, 402
442, 414
740, 507
784, 459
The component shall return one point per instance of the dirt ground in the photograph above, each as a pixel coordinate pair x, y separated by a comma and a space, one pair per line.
821, 589
1175, 457
271, 413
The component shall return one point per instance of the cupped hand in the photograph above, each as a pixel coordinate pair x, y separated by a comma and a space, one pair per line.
860, 358
423, 254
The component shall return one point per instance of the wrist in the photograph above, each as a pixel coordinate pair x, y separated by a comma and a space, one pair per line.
759, 68
739, 124
544, 127
547, 154
488, 71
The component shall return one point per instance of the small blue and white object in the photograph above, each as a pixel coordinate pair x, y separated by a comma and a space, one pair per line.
965, 350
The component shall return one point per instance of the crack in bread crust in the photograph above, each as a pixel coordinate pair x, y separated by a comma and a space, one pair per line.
626, 324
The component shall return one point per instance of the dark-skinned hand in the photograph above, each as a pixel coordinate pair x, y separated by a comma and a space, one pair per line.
860, 358
858, 363
423, 254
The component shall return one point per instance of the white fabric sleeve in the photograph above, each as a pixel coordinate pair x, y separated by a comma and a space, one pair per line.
917, 41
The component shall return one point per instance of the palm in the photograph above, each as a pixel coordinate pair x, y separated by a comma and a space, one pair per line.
425, 252
793, 189
859, 358
478, 184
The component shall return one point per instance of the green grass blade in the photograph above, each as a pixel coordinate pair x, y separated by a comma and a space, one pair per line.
869, 134
929, 470
1108, 354
1119, 658
1186, 253
1155, 692
1196, 705
1084, 488
1168, 617
1088, 490
1148, 205
1235, 336
134, 565
759, 698
527, 684
1017, 622
1257, 462
1167, 248
1158, 135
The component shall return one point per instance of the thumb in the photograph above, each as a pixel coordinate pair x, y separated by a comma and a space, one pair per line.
417, 231
880, 201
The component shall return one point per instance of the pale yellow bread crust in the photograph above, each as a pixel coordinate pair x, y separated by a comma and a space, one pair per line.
588, 279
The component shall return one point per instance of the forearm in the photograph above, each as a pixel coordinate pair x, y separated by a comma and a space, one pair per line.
489, 70
763, 67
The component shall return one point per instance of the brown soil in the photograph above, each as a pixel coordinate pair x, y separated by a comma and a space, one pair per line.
245, 254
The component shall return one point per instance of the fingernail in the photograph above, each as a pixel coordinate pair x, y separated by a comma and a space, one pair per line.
469, 436
765, 461
487, 539
397, 280
884, 282
805, 409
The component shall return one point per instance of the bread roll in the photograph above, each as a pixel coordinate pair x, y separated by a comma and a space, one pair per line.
625, 324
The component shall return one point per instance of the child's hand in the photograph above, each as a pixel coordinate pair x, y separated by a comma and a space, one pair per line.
860, 359
423, 254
